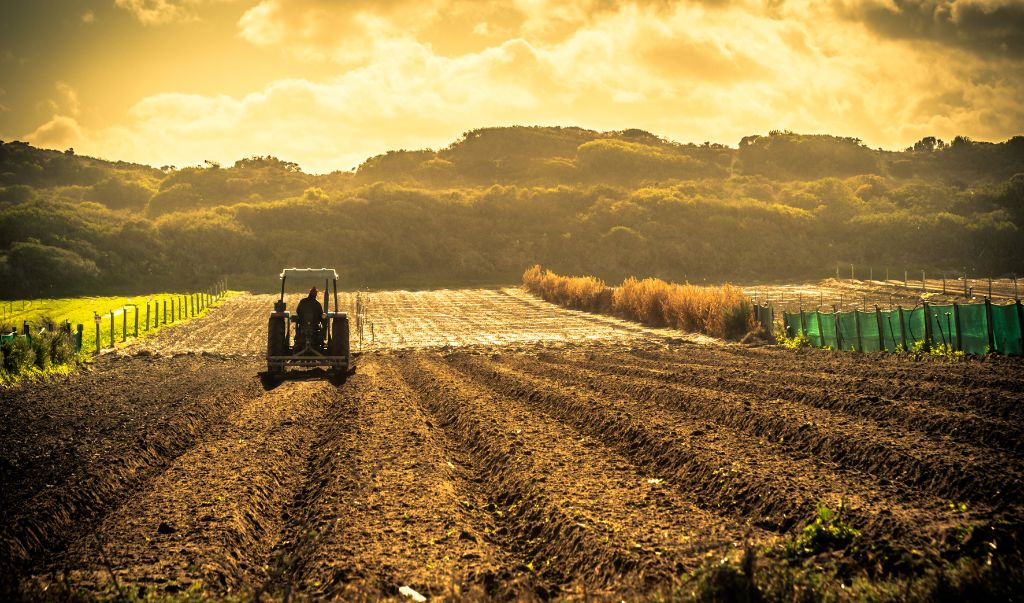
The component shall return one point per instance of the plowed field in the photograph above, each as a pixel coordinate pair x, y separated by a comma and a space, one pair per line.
492, 445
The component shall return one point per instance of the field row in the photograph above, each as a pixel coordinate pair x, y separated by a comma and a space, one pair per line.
580, 471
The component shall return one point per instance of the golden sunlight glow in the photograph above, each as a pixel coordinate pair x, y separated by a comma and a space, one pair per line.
327, 84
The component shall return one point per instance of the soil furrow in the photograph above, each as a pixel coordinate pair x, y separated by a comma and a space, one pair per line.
212, 517
107, 451
913, 414
979, 385
642, 528
725, 470
391, 511
956, 471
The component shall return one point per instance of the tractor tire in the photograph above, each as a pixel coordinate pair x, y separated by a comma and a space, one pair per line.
277, 344
339, 339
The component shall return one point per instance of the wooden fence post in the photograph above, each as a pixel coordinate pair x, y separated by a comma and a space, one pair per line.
881, 329
165, 311
1020, 322
136, 321
96, 319
860, 339
956, 323
903, 329
927, 325
988, 325
111, 328
147, 314
124, 323
821, 329
839, 331
80, 340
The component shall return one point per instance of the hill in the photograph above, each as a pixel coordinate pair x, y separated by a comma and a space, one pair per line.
614, 204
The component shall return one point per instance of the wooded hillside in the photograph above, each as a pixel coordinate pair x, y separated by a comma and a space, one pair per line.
612, 204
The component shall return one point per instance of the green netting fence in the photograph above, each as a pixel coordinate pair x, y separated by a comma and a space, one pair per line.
971, 328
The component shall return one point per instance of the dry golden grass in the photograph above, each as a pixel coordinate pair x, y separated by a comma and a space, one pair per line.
579, 292
721, 311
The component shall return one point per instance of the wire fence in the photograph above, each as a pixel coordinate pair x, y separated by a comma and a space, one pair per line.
116, 325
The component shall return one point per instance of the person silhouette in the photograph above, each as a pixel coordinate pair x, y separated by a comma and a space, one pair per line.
309, 314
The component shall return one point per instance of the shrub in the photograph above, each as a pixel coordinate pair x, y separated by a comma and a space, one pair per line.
827, 532
717, 311
41, 349
18, 356
62, 350
580, 292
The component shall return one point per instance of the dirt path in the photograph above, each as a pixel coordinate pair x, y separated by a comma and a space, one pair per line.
574, 457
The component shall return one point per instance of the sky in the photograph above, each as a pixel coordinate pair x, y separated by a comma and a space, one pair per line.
329, 83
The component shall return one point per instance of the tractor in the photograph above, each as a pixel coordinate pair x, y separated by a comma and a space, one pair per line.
308, 341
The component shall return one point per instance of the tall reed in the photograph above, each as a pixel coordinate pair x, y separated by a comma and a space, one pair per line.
721, 311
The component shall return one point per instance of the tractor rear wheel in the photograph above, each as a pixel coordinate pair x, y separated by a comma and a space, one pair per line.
339, 338
276, 344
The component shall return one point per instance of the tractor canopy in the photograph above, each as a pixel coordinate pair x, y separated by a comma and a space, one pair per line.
325, 273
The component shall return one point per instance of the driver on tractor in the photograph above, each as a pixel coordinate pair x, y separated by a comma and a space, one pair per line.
309, 314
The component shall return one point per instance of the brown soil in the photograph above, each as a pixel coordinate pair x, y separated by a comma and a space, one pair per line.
488, 445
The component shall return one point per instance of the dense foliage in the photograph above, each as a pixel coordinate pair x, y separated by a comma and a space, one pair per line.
612, 204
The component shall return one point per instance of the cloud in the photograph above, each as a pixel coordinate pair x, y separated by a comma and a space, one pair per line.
417, 74
67, 99
988, 27
160, 12
60, 132
323, 30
